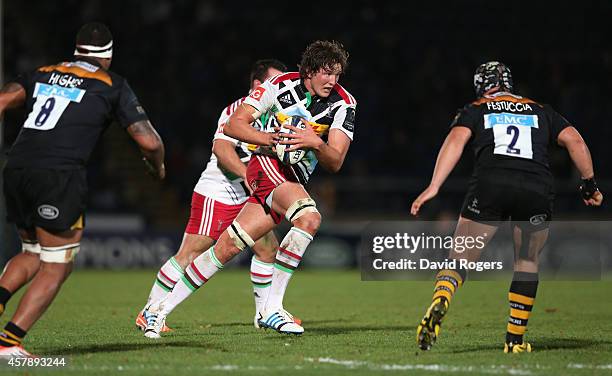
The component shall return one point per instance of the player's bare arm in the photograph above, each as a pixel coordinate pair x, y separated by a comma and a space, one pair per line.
570, 139
225, 151
330, 155
12, 95
239, 127
449, 155
151, 146
578, 150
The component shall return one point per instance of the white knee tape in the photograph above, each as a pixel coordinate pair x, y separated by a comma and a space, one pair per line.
30, 247
301, 207
60, 255
239, 236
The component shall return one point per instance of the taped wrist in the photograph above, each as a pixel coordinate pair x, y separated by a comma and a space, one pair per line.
588, 187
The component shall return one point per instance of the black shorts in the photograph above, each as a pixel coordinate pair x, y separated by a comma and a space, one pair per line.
496, 195
50, 199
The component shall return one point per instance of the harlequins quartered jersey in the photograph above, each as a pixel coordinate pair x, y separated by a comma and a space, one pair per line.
510, 131
286, 94
69, 105
218, 183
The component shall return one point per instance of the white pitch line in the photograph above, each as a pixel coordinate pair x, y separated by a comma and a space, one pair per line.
226, 367
493, 369
589, 366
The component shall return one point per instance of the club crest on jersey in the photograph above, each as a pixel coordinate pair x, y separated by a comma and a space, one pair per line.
257, 93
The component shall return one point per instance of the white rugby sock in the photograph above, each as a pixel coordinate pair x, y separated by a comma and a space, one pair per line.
288, 258
196, 274
167, 276
261, 277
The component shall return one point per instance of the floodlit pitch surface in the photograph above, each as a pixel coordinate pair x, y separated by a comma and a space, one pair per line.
352, 327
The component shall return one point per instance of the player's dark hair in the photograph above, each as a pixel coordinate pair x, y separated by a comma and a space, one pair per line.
323, 54
94, 34
260, 68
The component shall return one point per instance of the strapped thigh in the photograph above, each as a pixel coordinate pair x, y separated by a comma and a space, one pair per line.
239, 236
60, 255
301, 207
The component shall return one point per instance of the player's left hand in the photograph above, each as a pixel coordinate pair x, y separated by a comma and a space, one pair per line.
302, 138
425, 196
591, 196
595, 200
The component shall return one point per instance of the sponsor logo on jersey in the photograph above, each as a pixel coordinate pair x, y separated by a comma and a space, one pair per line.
538, 219
258, 92
286, 100
508, 106
349, 120
48, 211
73, 94
65, 80
505, 118
473, 206
84, 65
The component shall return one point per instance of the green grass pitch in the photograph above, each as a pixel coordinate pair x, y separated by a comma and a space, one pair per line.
352, 327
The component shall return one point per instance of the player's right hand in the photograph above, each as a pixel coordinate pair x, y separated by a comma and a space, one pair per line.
159, 174
425, 196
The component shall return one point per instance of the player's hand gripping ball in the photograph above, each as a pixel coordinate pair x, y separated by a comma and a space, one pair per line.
290, 157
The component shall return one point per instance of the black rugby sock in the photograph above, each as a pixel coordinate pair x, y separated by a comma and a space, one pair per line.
5, 295
12, 335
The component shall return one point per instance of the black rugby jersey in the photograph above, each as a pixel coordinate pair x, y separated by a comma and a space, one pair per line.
509, 131
69, 105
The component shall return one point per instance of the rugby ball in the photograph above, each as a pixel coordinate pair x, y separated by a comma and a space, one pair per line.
290, 157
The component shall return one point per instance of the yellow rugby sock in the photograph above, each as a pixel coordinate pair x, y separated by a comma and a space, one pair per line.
521, 297
447, 283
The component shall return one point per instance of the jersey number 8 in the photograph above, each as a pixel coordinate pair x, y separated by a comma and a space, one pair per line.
51, 102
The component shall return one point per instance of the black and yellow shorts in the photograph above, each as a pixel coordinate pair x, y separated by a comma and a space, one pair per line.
54, 200
496, 195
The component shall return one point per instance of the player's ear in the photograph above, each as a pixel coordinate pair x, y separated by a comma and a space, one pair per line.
256, 83
106, 63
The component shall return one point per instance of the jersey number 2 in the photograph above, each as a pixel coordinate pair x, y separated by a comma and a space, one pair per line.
514, 131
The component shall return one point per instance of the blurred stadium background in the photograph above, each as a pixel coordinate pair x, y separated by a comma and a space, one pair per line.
411, 68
